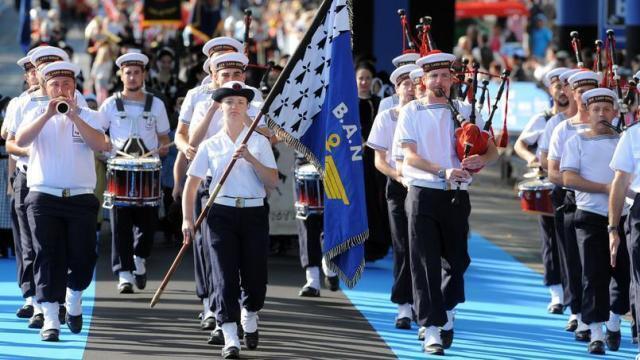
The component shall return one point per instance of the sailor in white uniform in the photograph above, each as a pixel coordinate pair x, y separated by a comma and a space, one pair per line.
585, 169
61, 207
238, 220
438, 229
137, 123
381, 140
398, 61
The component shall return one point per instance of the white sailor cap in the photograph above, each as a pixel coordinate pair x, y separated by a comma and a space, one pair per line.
47, 54
222, 43
59, 68
233, 60
25, 63
600, 95
402, 73
206, 66
404, 59
416, 75
436, 61
132, 58
553, 76
564, 77
583, 78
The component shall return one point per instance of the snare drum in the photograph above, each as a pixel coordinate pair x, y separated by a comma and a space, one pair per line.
535, 197
133, 182
309, 192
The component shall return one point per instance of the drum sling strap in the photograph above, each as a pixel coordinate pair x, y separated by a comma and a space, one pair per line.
134, 145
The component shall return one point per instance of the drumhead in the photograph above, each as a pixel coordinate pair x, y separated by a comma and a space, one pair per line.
537, 184
307, 170
133, 163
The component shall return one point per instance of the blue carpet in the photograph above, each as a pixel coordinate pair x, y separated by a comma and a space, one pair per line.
17, 341
504, 316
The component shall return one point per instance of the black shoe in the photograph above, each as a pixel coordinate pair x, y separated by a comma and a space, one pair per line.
36, 321
572, 325
332, 283
216, 337
62, 314
25, 312
434, 349
50, 335
208, 323
231, 353
141, 281
125, 288
308, 291
596, 347
74, 323
447, 338
557, 309
584, 335
403, 323
251, 340
612, 339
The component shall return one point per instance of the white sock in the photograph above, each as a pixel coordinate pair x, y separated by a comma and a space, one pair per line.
557, 294
125, 277
230, 332
404, 311
50, 311
249, 320
29, 301
325, 268
37, 308
581, 326
573, 317
313, 277
613, 324
432, 336
450, 317
73, 302
140, 265
596, 331
421, 331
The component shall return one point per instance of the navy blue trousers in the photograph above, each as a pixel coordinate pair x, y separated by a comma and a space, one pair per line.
438, 232
64, 240
309, 241
132, 232
402, 290
25, 254
604, 288
550, 253
239, 250
201, 262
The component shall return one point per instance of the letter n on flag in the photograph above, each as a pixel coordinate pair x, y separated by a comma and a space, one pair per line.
314, 107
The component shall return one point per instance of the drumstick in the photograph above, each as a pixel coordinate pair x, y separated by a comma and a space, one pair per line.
119, 152
153, 152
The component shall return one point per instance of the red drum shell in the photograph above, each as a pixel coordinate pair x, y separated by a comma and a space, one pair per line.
535, 197
133, 182
309, 191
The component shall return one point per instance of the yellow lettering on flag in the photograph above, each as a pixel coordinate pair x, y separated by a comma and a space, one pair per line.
333, 186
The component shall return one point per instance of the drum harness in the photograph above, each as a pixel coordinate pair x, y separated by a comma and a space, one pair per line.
134, 145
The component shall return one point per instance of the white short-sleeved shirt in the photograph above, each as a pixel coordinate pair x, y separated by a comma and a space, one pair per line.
388, 103
431, 128
381, 135
545, 136
215, 153
59, 157
627, 156
589, 157
563, 132
533, 130
24, 105
134, 124
215, 125
10, 114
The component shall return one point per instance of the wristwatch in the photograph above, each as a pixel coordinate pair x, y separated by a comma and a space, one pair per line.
612, 228
442, 174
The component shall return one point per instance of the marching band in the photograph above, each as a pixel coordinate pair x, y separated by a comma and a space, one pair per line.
427, 142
